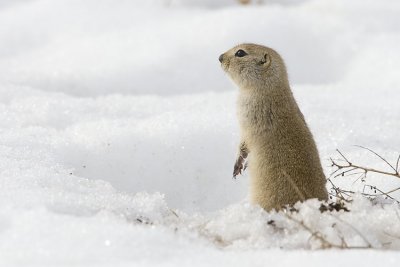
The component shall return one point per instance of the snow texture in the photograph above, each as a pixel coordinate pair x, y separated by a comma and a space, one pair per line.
118, 131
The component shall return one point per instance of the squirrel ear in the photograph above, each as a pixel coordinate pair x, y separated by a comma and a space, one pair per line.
266, 59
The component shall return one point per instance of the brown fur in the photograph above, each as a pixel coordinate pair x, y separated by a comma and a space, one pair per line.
283, 161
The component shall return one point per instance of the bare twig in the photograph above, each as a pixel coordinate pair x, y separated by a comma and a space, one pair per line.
346, 195
343, 156
325, 243
368, 244
314, 234
366, 169
344, 172
391, 235
347, 167
341, 236
380, 192
379, 156
397, 163
337, 191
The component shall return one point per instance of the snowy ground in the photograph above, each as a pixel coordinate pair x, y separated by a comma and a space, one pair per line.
118, 131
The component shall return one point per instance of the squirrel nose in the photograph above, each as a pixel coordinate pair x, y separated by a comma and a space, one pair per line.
221, 58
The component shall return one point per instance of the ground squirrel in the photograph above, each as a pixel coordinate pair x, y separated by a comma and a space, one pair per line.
283, 160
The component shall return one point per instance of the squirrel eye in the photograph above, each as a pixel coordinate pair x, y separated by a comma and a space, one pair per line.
240, 53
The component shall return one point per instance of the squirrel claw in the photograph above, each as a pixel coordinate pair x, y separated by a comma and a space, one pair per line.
237, 169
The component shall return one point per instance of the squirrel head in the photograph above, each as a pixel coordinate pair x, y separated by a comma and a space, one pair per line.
254, 67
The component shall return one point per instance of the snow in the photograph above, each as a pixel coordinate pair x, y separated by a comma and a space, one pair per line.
118, 131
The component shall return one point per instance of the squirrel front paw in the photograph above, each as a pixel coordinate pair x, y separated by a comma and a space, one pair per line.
237, 169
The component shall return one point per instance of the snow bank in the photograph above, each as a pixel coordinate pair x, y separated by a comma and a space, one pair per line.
181, 146
118, 131
95, 48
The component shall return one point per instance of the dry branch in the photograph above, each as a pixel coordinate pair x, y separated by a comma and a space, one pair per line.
325, 243
345, 167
